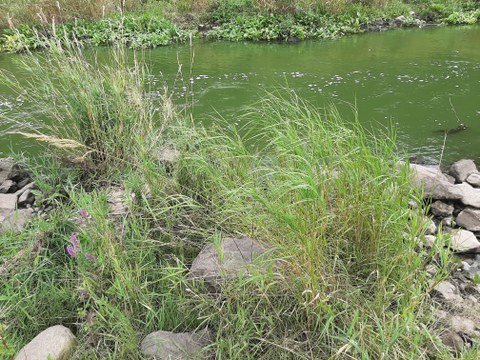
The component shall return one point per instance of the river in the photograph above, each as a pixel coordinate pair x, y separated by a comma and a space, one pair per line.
420, 80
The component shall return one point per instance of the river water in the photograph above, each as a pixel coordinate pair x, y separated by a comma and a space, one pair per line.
420, 80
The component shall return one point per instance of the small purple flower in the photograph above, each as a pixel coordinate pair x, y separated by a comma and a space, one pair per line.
90, 257
75, 242
84, 217
71, 251
83, 213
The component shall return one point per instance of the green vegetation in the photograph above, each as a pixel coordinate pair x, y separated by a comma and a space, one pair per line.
156, 23
347, 279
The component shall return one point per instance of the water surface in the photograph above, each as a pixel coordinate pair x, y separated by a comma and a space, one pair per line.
421, 80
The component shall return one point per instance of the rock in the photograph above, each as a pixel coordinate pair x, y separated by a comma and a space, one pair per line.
16, 220
55, 343
237, 255
470, 195
447, 222
168, 155
432, 228
431, 270
24, 182
474, 180
461, 169
165, 345
429, 241
7, 186
8, 204
465, 266
434, 184
464, 326
450, 178
440, 209
452, 339
464, 241
400, 19
117, 200
469, 218
447, 292
27, 198
7, 169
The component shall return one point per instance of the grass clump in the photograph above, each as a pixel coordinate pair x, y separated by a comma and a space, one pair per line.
97, 113
345, 279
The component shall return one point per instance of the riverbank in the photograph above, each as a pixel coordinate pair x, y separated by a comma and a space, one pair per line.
331, 231
162, 25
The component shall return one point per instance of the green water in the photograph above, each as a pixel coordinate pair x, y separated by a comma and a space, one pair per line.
421, 80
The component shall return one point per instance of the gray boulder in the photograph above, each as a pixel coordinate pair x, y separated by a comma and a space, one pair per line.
55, 343
469, 219
232, 258
447, 292
461, 169
464, 241
434, 184
470, 195
474, 180
441, 209
165, 345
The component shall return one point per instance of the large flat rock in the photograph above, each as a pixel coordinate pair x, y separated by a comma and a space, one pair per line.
55, 343
8, 204
166, 345
216, 264
434, 184
462, 169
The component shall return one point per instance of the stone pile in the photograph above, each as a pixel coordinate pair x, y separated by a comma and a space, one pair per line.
16, 196
453, 202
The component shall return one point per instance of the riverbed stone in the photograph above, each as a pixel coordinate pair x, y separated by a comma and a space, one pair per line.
166, 345
216, 264
55, 343
474, 180
435, 185
470, 195
469, 218
461, 169
464, 241
441, 209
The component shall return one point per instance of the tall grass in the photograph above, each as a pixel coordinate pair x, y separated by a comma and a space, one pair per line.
16, 12
326, 194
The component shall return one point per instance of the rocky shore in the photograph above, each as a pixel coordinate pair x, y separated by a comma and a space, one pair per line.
451, 202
